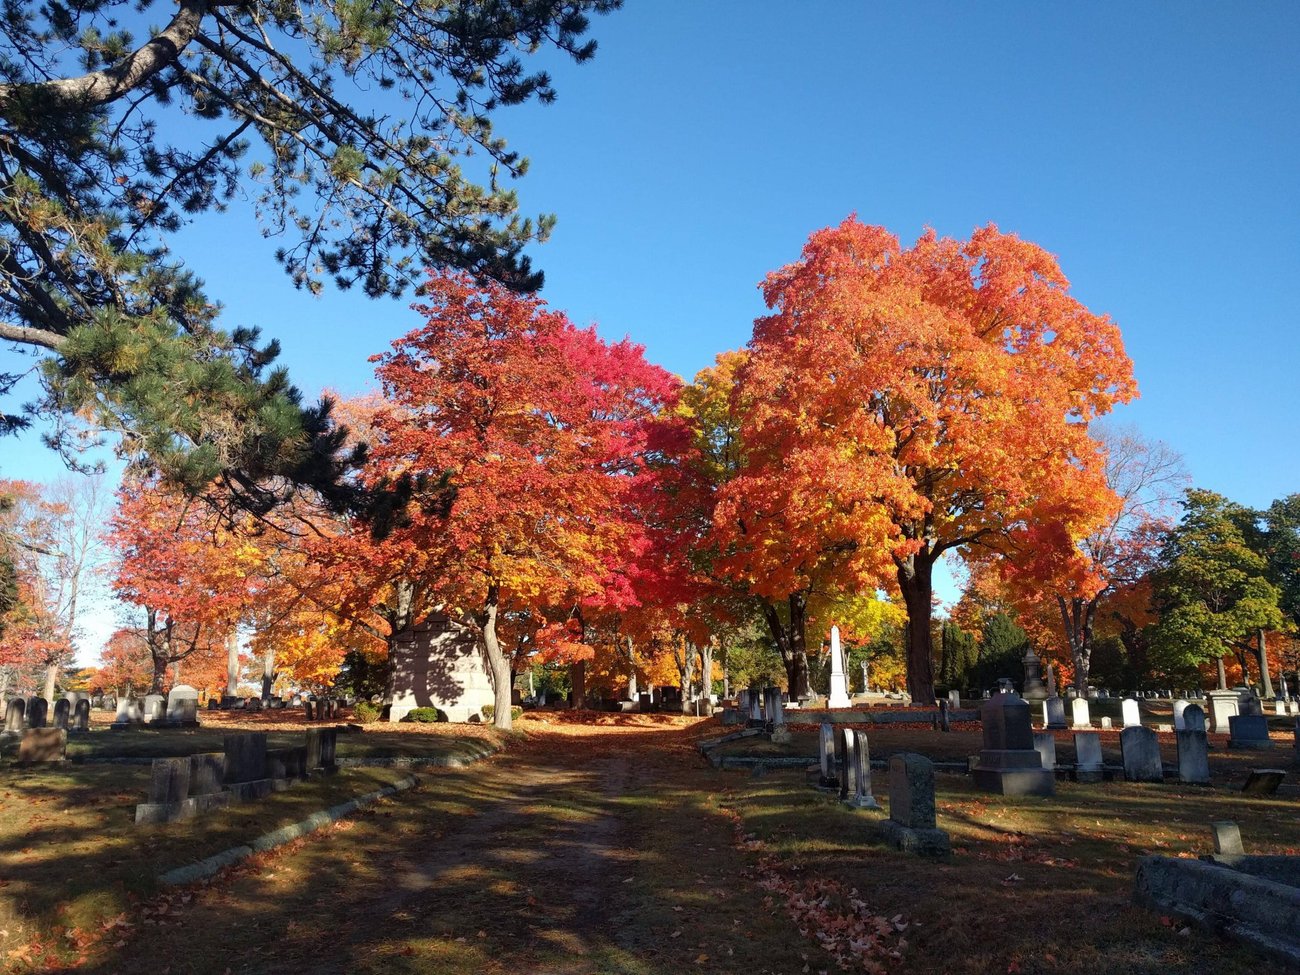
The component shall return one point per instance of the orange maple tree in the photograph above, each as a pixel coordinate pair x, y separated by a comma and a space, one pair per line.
523, 437
905, 402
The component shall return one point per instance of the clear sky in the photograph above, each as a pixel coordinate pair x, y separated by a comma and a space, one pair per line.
1153, 147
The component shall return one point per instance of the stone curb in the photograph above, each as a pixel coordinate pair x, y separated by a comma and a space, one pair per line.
269, 841
471, 754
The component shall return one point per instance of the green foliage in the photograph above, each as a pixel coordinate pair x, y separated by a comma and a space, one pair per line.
1002, 647
489, 712
1211, 588
365, 712
958, 653
752, 660
360, 676
275, 100
1280, 545
425, 716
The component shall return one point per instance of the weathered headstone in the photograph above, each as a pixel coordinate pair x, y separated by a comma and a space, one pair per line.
41, 745
1227, 838
1141, 755
755, 705
1045, 745
848, 764
1105, 723
154, 708
1131, 713
37, 710
329, 739
1248, 731
183, 705
207, 771
826, 754
1194, 718
1179, 707
954, 699
1008, 763
62, 711
911, 825
1035, 689
1054, 713
245, 766
1087, 756
1263, 781
1223, 705
1082, 719
862, 797
16, 709
81, 716
170, 780
1193, 756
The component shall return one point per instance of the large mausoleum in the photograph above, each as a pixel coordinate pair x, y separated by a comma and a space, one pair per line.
439, 665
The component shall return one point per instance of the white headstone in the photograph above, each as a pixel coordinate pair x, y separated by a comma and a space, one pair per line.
1179, 707
839, 697
1081, 717
181, 692
1105, 723
1131, 712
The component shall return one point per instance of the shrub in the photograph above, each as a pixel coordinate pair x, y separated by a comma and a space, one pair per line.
365, 712
425, 715
490, 711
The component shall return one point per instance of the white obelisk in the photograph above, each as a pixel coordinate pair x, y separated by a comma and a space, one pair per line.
839, 680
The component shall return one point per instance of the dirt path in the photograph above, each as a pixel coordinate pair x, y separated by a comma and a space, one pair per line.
565, 855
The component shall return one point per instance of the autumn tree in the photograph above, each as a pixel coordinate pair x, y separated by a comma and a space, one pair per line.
528, 434
350, 125
1211, 588
909, 402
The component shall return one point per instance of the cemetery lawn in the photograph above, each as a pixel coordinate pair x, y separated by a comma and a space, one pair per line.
606, 844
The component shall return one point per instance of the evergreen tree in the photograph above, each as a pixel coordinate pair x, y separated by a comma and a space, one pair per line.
348, 121
1211, 589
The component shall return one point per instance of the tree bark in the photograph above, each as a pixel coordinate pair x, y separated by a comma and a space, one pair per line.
791, 642
915, 583
51, 680
1266, 682
268, 673
1078, 617
631, 671
498, 664
706, 676
1223, 675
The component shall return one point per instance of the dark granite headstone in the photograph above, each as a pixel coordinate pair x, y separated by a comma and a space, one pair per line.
1009, 763
1141, 754
81, 717
37, 710
245, 758
170, 781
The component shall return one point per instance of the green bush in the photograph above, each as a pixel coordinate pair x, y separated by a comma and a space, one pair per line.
425, 715
490, 711
365, 712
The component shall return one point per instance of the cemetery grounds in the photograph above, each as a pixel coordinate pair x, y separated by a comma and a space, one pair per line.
601, 843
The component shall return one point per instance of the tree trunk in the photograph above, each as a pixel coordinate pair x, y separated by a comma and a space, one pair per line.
51, 681
232, 663
686, 669
1266, 682
498, 664
706, 676
915, 583
578, 681
1223, 676
268, 673
791, 642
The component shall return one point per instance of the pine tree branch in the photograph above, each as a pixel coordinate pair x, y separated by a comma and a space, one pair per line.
24, 335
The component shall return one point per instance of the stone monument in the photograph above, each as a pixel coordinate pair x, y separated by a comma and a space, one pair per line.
912, 826
839, 696
1009, 764
1035, 689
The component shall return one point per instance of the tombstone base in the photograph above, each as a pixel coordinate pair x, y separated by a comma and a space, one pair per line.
1088, 775
866, 802
1016, 781
1251, 744
922, 842
173, 812
249, 791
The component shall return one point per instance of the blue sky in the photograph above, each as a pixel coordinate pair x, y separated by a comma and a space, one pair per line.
1153, 147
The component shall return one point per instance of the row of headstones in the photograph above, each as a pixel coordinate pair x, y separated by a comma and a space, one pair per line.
1140, 751
180, 788
764, 705
69, 714
179, 707
846, 767
324, 709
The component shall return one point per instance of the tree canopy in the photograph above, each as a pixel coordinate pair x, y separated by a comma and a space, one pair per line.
349, 123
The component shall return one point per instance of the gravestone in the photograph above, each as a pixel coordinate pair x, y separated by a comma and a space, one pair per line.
1087, 756
1008, 763
437, 664
174, 794
183, 705
1082, 719
1035, 689
1179, 707
62, 709
826, 754
1223, 705
1248, 702
1045, 745
245, 767
954, 700
81, 716
911, 826
1141, 755
1193, 756
1194, 718
862, 797
207, 770
1263, 781
170, 780
755, 705
154, 708
41, 745
839, 686
1054, 713
1249, 731
1131, 713
329, 740
37, 709
16, 709
1105, 723
848, 764
1227, 838
1279, 708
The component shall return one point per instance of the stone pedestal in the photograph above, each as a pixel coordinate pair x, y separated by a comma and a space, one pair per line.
1222, 705
1009, 764
1035, 689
